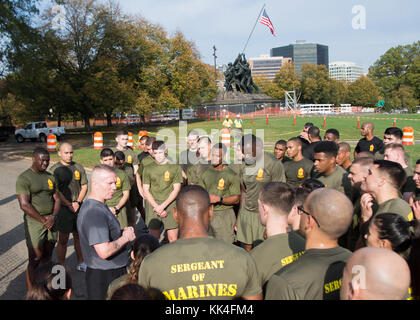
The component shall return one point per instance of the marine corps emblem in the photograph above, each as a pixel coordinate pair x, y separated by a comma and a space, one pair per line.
76, 175
221, 185
300, 173
167, 176
371, 148
50, 184
260, 174
130, 159
118, 184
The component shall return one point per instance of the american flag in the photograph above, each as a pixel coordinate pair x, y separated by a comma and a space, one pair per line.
265, 20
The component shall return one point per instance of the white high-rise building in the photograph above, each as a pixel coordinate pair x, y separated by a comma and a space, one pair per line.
345, 71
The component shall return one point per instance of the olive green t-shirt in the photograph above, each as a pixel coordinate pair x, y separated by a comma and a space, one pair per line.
145, 162
41, 188
123, 184
237, 167
297, 171
253, 176
200, 268
223, 183
398, 206
337, 180
277, 252
195, 171
70, 179
161, 178
314, 276
131, 159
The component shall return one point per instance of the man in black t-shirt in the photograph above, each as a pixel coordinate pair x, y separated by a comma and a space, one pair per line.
369, 143
103, 244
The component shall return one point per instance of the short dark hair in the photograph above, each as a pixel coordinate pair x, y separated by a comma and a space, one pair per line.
334, 132
143, 138
150, 140
395, 229
107, 152
186, 192
296, 140
394, 131
278, 195
328, 147
38, 151
158, 144
313, 132
256, 142
418, 161
300, 195
122, 132
119, 155
311, 185
281, 142
308, 125
394, 170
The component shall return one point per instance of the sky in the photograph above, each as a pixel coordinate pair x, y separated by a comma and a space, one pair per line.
227, 25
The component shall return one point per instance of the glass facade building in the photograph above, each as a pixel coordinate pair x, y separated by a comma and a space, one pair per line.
266, 65
345, 71
302, 52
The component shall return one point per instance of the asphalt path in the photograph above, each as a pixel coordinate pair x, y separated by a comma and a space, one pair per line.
13, 250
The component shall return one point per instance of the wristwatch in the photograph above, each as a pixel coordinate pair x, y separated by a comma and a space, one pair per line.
79, 203
221, 200
117, 211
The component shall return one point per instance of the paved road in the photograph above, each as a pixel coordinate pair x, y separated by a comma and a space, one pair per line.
13, 250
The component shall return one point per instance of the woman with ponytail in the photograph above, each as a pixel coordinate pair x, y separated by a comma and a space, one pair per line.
52, 281
143, 245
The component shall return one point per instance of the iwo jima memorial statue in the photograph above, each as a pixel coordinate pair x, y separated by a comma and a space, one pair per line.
238, 93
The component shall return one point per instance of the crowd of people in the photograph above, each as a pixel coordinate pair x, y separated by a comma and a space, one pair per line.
306, 222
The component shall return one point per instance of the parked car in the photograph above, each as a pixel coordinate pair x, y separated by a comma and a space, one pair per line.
38, 131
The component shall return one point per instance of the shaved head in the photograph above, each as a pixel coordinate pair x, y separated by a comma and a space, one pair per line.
368, 125
375, 274
335, 216
65, 145
192, 208
100, 171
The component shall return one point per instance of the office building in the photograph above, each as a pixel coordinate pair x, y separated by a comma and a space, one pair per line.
266, 65
345, 71
302, 52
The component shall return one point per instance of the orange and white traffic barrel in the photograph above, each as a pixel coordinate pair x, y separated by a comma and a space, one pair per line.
130, 140
408, 136
98, 141
226, 137
51, 142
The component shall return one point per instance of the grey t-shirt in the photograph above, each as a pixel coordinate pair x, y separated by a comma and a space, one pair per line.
96, 224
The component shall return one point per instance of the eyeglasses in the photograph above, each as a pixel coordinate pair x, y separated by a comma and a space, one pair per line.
300, 209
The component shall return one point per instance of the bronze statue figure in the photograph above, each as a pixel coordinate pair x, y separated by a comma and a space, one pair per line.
239, 73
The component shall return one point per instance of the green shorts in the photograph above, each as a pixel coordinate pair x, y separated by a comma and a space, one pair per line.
153, 221
66, 221
122, 216
250, 229
221, 225
36, 234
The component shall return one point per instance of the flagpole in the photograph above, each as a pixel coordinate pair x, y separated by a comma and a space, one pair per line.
253, 28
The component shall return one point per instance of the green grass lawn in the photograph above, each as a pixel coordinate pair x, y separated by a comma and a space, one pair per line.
278, 128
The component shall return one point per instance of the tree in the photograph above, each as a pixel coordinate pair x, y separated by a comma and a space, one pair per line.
397, 70
363, 92
315, 84
288, 80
